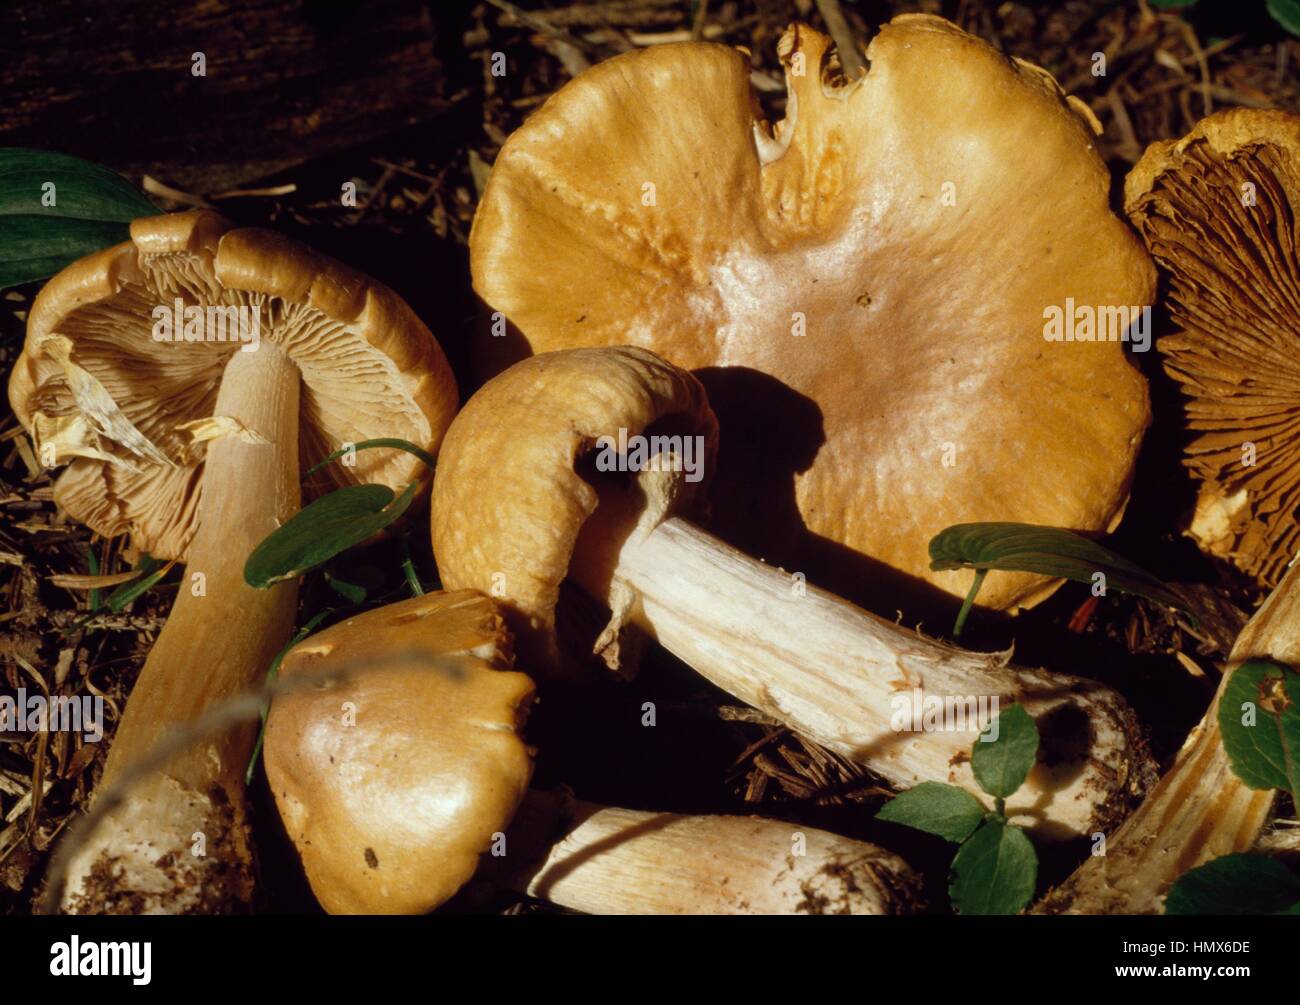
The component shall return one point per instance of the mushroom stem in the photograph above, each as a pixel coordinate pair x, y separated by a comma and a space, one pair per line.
1200, 810
180, 841
904, 705
617, 861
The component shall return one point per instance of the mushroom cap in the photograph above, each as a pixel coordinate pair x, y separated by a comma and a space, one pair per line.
393, 782
1218, 212
914, 225
128, 411
510, 496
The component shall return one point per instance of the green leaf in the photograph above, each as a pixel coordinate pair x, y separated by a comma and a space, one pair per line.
1236, 884
92, 567
1264, 754
92, 208
353, 593
1171, 4
151, 570
321, 530
1048, 551
935, 808
1286, 13
392, 442
1001, 765
994, 872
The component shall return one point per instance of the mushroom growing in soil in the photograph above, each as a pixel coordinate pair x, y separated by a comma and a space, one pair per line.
539, 482
400, 774
191, 441
865, 288
1218, 211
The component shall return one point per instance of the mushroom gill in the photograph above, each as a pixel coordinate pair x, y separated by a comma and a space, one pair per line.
1217, 212
124, 363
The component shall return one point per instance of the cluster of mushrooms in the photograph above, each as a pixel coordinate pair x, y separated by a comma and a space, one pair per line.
846, 309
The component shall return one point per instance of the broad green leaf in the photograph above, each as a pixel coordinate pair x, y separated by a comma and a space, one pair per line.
92, 207
1259, 717
1171, 4
1236, 884
1048, 551
994, 872
323, 529
1001, 765
392, 442
936, 808
1286, 13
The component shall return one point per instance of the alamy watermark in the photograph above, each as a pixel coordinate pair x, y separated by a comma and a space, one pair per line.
1084, 323
75, 958
651, 453
915, 711
213, 323
36, 713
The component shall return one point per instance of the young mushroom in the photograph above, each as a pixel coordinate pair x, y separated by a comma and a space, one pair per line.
1217, 210
399, 776
183, 376
871, 290
576, 464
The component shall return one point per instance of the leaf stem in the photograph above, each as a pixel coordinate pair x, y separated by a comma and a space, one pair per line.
966, 604
408, 567
383, 441
272, 674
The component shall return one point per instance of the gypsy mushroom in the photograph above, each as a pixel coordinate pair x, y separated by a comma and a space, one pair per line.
575, 464
191, 444
1217, 210
400, 774
865, 288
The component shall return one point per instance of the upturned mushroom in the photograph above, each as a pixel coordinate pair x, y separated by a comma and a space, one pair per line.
404, 774
1217, 210
182, 376
575, 465
906, 299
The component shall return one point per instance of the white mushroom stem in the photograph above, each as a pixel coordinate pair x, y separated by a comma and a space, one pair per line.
615, 861
858, 684
180, 840
1200, 810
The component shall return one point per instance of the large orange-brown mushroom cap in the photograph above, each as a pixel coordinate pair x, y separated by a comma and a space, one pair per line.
1218, 211
393, 782
127, 411
884, 256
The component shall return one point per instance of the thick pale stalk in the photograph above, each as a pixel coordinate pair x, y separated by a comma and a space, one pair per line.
850, 680
1199, 810
615, 861
180, 841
